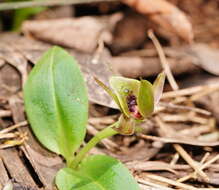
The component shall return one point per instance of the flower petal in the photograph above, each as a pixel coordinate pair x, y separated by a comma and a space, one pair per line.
145, 98
158, 87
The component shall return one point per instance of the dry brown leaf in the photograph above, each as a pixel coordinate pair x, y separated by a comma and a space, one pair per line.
164, 14
31, 50
150, 66
80, 33
129, 33
207, 57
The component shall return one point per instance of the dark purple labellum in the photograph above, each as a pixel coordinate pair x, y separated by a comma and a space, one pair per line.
131, 101
133, 108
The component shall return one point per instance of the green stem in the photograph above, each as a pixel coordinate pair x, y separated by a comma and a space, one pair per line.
107, 132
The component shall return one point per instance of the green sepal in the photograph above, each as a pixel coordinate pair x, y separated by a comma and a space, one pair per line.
123, 87
145, 98
158, 87
109, 91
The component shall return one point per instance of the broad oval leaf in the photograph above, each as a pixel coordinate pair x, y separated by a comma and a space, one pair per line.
56, 102
97, 172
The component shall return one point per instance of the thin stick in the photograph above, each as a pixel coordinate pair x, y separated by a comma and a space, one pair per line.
191, 162
5, 113
144, 182
192, 175
25, 4
8, 129
171, 182
8, 135
188, 91
163, 60
174, 159
175, 106
176, 140
203, 93
205, 157
181, 151
205, 165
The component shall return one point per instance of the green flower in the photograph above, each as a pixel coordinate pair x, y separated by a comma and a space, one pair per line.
136, 99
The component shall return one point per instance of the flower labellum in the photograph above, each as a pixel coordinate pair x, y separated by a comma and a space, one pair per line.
136, 99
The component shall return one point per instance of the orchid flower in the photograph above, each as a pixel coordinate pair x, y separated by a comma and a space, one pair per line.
136, 99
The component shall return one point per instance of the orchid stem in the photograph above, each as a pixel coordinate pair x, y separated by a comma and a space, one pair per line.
107, 132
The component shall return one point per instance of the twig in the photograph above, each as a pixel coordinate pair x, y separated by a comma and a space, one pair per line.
171, 182
144, 182
8, 135
163, 60
182, 152
5, 113
203, 93
176, 140
174, 159
191, 162
174, 106
25, 4
8, 129
15, 142
188, 91
205, 157
193, 175
210, 162
184, 118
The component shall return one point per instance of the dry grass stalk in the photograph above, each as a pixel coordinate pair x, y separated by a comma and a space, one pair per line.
202, 167
176, 93
8, 129
171, 182
11, 143
5, 113
163, 60
180, 107
153, 185
190, 91
181, 151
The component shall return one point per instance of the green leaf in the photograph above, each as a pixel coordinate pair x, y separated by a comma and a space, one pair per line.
56, 102
145, 98
123, 87
158, 87
97, 172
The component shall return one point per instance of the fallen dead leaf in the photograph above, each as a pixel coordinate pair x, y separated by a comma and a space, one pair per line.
166, 15
129, 33
135, 66
207, 57
31, 50
81, 33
